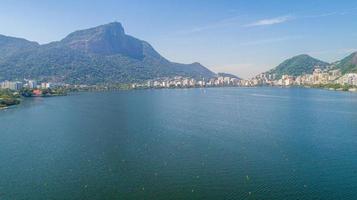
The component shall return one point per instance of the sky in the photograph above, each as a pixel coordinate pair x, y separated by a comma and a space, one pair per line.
239, 37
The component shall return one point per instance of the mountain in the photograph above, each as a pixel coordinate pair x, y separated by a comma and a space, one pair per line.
103, 54
298, 65
227, 75
109, 39
348, 64
11, 45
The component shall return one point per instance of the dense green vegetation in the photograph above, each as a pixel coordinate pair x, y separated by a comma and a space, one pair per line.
305, 64
348, 64
298, 65
104, 54
26, 92
11, 45
334, 86
8, 98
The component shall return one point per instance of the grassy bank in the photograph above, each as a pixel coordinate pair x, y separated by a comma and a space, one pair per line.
8, 98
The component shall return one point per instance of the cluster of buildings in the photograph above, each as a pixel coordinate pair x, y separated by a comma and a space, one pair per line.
348, 79
31, 84
184, 82
318, 77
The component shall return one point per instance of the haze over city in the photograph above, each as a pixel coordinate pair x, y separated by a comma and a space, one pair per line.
239, 37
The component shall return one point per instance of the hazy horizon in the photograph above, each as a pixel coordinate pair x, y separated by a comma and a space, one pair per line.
243, 38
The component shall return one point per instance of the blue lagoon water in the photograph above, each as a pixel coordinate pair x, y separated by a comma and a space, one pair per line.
218, 143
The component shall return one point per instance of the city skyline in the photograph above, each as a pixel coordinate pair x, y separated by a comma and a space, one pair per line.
231, 36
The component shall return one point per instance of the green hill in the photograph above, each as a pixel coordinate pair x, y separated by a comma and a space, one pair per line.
298, 65
348, 64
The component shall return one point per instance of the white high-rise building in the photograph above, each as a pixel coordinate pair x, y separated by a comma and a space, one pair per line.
11, 85
32, 84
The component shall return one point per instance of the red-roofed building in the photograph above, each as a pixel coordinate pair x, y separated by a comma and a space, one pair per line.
37, 92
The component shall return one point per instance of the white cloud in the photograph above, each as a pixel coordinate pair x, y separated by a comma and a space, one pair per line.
271, 21
286, 18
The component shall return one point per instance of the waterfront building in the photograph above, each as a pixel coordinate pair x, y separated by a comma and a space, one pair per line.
226, 80
334, 74
150, 84
45, 85
186, 82
32, 84
348, 79
37, 92
201, 83
157, 84
12, 85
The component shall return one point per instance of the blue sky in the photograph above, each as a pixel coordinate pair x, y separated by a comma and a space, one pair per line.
240, 37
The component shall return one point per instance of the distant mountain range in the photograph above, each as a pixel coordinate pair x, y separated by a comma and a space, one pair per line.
227, 75
106, 54
103, 54
305, 64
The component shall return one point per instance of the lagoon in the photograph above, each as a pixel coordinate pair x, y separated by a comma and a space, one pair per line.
215, 143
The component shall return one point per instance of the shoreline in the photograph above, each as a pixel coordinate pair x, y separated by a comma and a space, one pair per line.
11, 99
352, 89
19, 100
